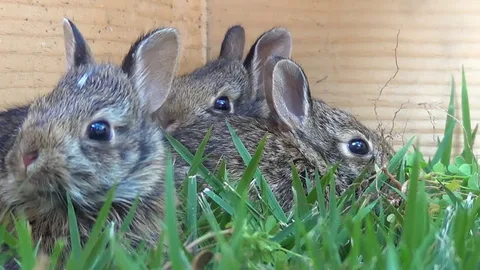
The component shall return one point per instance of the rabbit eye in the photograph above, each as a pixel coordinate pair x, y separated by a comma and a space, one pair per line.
99, 131
222, 103
358, 147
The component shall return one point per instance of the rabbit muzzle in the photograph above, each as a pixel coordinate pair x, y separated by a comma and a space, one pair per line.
41, 169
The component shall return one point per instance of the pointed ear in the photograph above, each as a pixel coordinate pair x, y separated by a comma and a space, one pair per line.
151, 63
233, 43
268, 81
276, 42
290, 95
77, 51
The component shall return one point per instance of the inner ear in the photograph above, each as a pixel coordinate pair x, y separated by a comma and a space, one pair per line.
268, 81
233, 43
77, 51
152, 64
276, 42
290, 93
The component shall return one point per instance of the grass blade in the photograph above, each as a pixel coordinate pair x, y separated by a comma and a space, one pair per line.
444, 150
122, 258
392, 257
242, 189
130, 215
228, 260
57, 251
26, 248
197, 159
411, 234
74, 233
98, 248
102, 218
301, 199
174, 245
474, 134
272, 202
208, 177
467, 125
156, 255
320, 188
249, 173
392, 166
359, 216
218, 200
188, 157
192, 206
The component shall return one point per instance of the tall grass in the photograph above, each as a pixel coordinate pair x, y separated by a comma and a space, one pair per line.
435, 227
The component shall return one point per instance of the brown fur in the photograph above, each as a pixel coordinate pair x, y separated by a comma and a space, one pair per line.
56, 126
311, 141
193, 95
10, 122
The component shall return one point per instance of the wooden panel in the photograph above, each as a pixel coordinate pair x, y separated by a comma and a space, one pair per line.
31, 37
347, 49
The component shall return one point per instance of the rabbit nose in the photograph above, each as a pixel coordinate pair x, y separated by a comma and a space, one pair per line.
30, 158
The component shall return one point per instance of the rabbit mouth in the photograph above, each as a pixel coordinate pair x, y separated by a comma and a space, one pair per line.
39, 186
39, 196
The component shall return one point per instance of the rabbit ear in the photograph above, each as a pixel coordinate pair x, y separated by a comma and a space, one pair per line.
152, 64
268, 80
233, 43
290, 94
77, 51
276, 42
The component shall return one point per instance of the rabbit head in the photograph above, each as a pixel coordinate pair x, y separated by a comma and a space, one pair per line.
94, 130
308, 133
322, 133
224, 86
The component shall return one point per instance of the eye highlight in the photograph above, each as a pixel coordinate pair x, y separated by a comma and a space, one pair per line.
99, 131
222, 103
358, 147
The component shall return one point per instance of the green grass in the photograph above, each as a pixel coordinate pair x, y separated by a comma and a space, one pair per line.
436, 226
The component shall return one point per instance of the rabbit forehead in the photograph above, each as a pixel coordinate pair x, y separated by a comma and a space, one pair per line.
85, 92
217, 77
105, 80
337, 121
192, 95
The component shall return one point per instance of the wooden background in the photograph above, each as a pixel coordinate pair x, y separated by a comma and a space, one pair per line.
349, 49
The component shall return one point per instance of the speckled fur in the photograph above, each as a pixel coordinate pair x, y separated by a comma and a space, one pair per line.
70, 162
317, 143
10, 122
193, 95
56, 125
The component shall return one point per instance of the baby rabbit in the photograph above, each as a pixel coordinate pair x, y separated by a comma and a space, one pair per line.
308, 133
224, 85
94, 130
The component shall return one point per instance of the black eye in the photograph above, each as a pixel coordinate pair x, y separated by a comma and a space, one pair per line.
99, 131
222, 103
358, 147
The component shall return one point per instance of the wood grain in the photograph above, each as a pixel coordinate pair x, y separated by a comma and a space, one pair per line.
347, 49
31, 37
